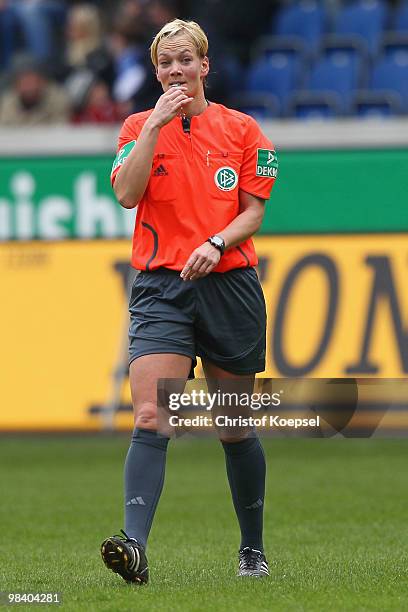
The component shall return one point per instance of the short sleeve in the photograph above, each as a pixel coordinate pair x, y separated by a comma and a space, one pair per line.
259, 167
126, 141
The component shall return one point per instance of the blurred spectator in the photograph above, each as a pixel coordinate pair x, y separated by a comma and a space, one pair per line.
160, 12
32, 98
86, 54
7, 33
98, 107
83, 34
135, 86
37, 22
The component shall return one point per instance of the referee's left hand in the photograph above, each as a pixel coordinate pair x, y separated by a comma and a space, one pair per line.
201, 262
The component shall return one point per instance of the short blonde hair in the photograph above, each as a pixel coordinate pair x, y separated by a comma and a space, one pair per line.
178, 26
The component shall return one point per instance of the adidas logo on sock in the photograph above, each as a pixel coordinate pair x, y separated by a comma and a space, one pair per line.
255, 505
160, 171
136, 501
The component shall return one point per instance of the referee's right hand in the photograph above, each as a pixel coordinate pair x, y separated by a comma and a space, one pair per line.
169, 105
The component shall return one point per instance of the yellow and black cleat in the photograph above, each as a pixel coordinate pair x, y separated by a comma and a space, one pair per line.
126, 557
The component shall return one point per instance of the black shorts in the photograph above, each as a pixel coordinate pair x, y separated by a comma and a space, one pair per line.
221, 318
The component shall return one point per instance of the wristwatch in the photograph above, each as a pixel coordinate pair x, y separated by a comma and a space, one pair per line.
217, 242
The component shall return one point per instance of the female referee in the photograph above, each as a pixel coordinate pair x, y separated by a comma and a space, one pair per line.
200, 174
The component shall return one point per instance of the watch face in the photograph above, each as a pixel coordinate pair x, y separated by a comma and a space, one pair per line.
218, 241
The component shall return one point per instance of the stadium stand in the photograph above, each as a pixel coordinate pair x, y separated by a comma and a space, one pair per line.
390, 72
304, 58
382, 104
348, 60
260, 106
306, 20
364, 18
277, 70
400, 22
314, 105
338, 71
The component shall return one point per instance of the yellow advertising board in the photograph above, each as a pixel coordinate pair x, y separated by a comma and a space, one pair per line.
63, 306
337, 306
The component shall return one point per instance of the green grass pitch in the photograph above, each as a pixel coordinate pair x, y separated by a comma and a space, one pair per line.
335, 522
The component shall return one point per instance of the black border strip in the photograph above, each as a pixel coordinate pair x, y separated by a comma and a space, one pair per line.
155, 244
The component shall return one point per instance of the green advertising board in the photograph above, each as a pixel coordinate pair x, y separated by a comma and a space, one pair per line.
316, 192
60, 198
340, 191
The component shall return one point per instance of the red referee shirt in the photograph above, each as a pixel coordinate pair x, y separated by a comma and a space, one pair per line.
194, 184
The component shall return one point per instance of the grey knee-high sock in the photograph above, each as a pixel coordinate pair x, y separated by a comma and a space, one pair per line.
144, 477
246, 470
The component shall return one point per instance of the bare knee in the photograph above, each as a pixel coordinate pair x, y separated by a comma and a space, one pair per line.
146, 415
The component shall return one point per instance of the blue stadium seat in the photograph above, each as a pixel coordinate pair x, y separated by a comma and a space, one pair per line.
314, 105
278, 73
368, 104
366, 18
393, 42
259, 106
400, 21
390, 73
267, 45
305, 19
352, 44
339, 71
